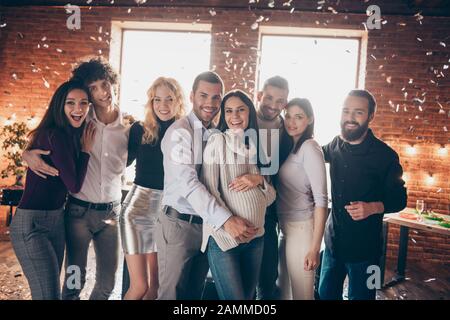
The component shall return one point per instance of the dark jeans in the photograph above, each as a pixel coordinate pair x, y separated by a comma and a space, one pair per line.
267, 288
236, 271
332, 276
84, 225
38, 241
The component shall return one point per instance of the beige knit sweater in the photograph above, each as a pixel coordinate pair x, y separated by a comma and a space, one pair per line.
226, 158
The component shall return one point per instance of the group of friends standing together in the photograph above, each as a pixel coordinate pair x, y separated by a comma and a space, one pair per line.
202, 198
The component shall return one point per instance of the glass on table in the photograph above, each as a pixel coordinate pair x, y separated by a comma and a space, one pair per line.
420, 208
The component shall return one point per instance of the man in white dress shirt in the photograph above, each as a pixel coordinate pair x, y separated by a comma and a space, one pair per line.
92, 214
182, 266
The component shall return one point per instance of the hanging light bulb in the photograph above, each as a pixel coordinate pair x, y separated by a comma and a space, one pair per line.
430, 179
442, 151
411, 150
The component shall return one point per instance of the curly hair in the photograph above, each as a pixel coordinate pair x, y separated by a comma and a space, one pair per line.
150, 124
95, 69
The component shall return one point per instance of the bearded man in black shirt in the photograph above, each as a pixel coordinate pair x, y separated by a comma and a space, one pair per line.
366, 182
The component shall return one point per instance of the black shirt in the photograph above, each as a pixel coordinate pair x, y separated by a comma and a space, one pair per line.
149, 157
369, 172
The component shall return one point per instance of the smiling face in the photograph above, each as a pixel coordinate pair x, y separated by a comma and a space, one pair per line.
206, 101
355, 118
102, 93
163, 103
296, 121
272, 101
76, 107
236, 114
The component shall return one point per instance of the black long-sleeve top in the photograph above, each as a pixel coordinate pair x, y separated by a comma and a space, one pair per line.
149, 157
369, 172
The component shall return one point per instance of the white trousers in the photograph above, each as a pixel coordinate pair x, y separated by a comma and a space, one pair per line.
296, 238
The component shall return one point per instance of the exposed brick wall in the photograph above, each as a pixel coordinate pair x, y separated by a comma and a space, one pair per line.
394, 56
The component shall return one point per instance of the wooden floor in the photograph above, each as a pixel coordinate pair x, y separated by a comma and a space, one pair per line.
424, 281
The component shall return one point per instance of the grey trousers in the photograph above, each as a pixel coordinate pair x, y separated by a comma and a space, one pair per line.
38, 240
84, 225
182, 266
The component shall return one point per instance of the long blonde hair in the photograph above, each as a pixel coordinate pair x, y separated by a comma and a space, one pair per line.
150, 124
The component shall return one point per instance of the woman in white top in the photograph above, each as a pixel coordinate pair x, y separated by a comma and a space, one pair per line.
301, 203
229, 154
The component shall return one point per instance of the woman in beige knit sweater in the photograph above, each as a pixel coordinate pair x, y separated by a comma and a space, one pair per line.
230, 154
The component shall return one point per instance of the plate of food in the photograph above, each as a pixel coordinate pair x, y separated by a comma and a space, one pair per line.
445, 223
408, 215
432, 218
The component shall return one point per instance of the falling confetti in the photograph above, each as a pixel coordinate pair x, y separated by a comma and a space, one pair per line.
140, 1
59, 50
3, 25
419, 39
88, 1
332, 10
129, 10
212, 12
254, 26
46, 84
388, 79
442, 44
287, 4
271, 4
429, 280
292, 10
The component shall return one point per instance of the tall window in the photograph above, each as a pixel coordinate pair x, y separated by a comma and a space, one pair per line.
322, 69
146, 54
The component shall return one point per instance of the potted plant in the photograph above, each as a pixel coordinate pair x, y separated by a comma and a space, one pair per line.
14, 140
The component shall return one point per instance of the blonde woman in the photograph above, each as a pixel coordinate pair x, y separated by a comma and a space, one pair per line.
143, 203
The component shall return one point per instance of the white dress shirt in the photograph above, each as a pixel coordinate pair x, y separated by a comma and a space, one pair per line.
182, 148
103, 182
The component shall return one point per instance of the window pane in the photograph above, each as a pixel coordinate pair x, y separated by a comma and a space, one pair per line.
147, 55
320, 69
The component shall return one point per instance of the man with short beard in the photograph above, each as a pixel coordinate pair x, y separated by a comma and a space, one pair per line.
366, 182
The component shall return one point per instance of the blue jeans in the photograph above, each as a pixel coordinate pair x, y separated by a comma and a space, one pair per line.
267, 288
332, 276
236, 271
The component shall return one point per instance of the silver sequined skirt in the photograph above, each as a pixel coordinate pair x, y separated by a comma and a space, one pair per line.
140, 210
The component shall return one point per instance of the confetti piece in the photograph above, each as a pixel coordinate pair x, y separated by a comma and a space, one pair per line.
419, 39
44, 39
287, 4
388, 79
429, 53
271, 4
59, 50
3, 25
292, 10
129, 10
429, 280
254, 26
46, 84
212, 12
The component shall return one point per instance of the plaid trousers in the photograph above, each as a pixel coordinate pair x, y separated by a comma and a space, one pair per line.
38, 239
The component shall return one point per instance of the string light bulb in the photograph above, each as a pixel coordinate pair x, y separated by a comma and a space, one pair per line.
430, 179
411, 150
442, 151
